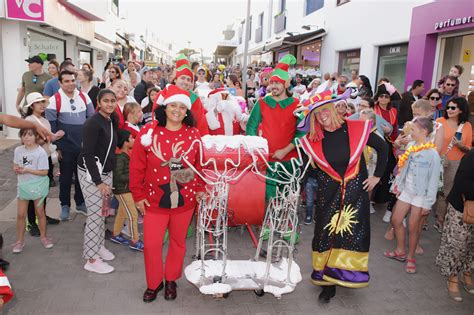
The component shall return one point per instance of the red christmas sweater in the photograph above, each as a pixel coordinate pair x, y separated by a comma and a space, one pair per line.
158, 174
277, 123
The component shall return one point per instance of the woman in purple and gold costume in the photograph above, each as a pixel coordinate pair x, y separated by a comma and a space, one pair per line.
342, 225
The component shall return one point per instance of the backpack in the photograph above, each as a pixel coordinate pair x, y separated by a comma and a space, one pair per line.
57, 97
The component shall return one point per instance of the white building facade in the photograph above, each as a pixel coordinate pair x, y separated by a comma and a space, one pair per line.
370, 37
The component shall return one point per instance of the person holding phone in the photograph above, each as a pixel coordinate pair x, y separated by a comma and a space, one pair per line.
457, 142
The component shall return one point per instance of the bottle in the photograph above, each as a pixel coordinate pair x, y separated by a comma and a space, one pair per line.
105, 205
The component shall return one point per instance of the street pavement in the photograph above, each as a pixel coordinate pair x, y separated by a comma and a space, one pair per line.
53, 281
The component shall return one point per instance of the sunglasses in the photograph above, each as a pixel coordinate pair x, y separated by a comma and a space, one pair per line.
435, 98
451, 107
71, 101
34, 79
450, 84
384, 96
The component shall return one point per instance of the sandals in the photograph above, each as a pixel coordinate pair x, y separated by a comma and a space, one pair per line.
454, 295
468, 287
410, 266
419, 250
397, 256
438, 226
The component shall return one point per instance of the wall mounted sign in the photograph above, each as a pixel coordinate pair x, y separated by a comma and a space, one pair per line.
25, 10
453, 22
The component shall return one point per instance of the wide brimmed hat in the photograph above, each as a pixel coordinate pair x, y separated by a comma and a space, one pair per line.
33, 98
317, 101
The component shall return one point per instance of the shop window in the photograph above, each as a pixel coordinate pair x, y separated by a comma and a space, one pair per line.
313, 5
392, 64
309, 55
50, 47
115, 7
457, 50
348, 61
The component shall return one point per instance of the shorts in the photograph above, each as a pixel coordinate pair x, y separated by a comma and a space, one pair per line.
414, 200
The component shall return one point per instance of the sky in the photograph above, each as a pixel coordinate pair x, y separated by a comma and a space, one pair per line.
199, 21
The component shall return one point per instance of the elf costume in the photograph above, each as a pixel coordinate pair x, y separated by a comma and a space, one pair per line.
276, 122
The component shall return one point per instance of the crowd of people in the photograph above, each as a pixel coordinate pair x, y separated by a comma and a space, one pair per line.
119, 138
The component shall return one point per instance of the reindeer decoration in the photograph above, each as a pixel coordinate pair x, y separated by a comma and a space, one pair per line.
172, 197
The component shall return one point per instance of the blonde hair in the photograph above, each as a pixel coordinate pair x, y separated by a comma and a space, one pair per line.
129, 108
316, 132
422, 104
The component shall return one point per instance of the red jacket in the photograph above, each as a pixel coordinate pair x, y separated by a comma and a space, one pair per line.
168, 191
5, 288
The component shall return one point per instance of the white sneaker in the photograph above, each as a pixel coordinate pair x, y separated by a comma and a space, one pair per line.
98, 266
387, 216
404, 222
372, 209
106, 254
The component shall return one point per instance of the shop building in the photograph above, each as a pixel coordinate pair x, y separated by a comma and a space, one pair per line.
55, 29
341, 35
441, 35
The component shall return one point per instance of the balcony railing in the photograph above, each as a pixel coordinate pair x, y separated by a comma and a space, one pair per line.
280, 23
258, 34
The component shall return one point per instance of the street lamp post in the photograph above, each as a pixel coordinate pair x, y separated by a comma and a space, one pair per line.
246, 50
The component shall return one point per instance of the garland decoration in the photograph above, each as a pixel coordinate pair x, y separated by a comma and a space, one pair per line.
413, 149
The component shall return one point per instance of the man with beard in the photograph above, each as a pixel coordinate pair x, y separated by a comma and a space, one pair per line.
272, 118
184, 79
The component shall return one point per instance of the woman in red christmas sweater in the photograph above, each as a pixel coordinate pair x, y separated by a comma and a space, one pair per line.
165, 189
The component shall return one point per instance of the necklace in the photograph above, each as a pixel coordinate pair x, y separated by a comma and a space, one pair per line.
413, 149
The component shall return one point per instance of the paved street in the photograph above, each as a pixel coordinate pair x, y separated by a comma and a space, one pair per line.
54, 281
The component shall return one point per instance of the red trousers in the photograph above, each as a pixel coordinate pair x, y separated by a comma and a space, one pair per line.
154, 228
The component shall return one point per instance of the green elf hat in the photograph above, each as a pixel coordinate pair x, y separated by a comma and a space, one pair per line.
183, 67
280, 74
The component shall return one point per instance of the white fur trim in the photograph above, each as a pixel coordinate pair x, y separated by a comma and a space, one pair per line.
145, 139
181, 98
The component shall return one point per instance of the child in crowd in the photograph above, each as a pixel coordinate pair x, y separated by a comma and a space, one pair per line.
31, 165
147, 104
415, 186
132, 113
6, 292
455, 71
370, 155
127, 207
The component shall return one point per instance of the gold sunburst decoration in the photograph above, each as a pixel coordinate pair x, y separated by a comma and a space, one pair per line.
346, 221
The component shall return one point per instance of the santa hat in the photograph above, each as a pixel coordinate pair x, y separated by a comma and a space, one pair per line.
218, 91
172, 94
280, 74
183, 67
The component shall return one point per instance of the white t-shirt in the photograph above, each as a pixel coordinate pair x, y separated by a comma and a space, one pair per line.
35, 159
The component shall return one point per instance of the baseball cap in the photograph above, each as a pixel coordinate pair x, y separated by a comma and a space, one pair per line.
36, 59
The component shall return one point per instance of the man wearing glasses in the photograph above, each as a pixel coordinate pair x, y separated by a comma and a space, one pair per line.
68, 110
33, 80
447, 90
52, 86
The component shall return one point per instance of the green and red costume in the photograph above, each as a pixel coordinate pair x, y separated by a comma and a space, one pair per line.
275, 122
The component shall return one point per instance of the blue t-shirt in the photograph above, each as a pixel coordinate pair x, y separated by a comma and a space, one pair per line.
51, 87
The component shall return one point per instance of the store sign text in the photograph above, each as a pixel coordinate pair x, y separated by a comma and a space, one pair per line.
394, 50
27, 10
453, 22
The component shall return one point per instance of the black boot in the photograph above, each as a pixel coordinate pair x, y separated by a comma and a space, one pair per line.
327, 293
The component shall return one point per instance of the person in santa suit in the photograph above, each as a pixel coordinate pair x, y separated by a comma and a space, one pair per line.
341, 238
184, 80
272, 118
224, 114
164, 188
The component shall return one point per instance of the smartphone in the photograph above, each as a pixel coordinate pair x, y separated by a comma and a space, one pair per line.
458, 135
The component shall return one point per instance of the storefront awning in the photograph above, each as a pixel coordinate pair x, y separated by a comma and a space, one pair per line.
224, 50
257, 50
295, 40
102, 46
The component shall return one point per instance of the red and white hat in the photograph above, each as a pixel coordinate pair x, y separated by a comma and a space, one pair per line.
183, 67
172, 94
218, 91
